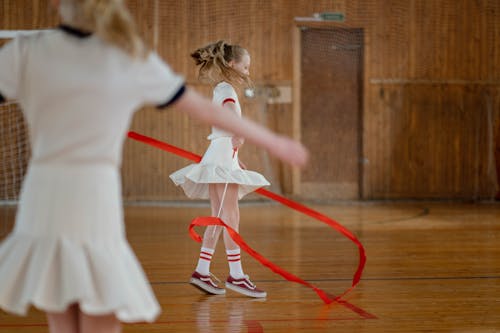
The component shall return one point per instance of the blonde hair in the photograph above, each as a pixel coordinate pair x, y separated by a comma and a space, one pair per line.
214, 60
109, 19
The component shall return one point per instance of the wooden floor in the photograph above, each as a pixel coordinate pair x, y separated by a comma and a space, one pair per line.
432, 267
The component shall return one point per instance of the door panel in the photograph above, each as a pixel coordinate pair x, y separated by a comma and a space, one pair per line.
331, 112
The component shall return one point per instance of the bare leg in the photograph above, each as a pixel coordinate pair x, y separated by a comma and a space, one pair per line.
64, 322
99, 324
231, 214
212, 233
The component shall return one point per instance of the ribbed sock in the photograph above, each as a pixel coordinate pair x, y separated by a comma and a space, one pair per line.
203, 266
234, 260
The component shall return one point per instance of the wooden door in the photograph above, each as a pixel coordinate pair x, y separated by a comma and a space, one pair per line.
331, 117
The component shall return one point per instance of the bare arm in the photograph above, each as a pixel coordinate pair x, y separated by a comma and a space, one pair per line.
205, 111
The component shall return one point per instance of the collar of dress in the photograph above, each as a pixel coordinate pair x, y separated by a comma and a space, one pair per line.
75, 31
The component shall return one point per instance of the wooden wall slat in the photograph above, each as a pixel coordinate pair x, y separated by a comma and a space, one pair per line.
430, 100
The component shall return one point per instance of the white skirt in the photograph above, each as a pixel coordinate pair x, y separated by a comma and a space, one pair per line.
218, 166
69, 246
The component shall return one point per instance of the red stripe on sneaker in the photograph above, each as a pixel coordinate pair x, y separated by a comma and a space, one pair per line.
245, 283
227, 100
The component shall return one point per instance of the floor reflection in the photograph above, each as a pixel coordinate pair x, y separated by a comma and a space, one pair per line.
220, 314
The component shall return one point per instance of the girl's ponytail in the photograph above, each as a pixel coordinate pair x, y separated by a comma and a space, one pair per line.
214, 61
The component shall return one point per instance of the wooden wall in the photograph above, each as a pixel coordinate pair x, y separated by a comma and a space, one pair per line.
431, 94
432, 97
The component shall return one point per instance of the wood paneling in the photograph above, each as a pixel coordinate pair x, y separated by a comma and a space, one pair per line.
26, 14
426, 64
264, 28
429, 120
442, 143
431, 72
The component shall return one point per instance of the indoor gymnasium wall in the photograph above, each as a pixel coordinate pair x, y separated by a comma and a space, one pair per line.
432, 99
431, 96
431, 75
265, 29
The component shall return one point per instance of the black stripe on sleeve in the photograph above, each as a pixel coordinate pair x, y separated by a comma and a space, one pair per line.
2, 99
177, 95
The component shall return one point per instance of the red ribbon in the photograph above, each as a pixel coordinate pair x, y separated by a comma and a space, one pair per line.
210, 220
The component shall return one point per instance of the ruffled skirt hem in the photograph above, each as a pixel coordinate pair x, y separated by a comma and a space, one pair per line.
196, 178
52, 273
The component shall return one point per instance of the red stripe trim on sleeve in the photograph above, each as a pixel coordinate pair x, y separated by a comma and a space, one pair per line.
227, 100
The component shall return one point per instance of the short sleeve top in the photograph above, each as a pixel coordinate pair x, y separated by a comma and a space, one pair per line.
78, 93
223, 93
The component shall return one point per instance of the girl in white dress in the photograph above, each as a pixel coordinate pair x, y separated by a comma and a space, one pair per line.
219, 176
78, 87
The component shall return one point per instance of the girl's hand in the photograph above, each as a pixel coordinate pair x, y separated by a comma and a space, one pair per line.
289, 151
237, 142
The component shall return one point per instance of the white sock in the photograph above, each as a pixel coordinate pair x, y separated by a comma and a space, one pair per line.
203, 266
234, 260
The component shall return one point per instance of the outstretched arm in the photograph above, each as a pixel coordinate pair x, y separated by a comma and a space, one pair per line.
204, 110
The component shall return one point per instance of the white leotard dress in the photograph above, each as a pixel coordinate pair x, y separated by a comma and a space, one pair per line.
78, 95
218, 164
